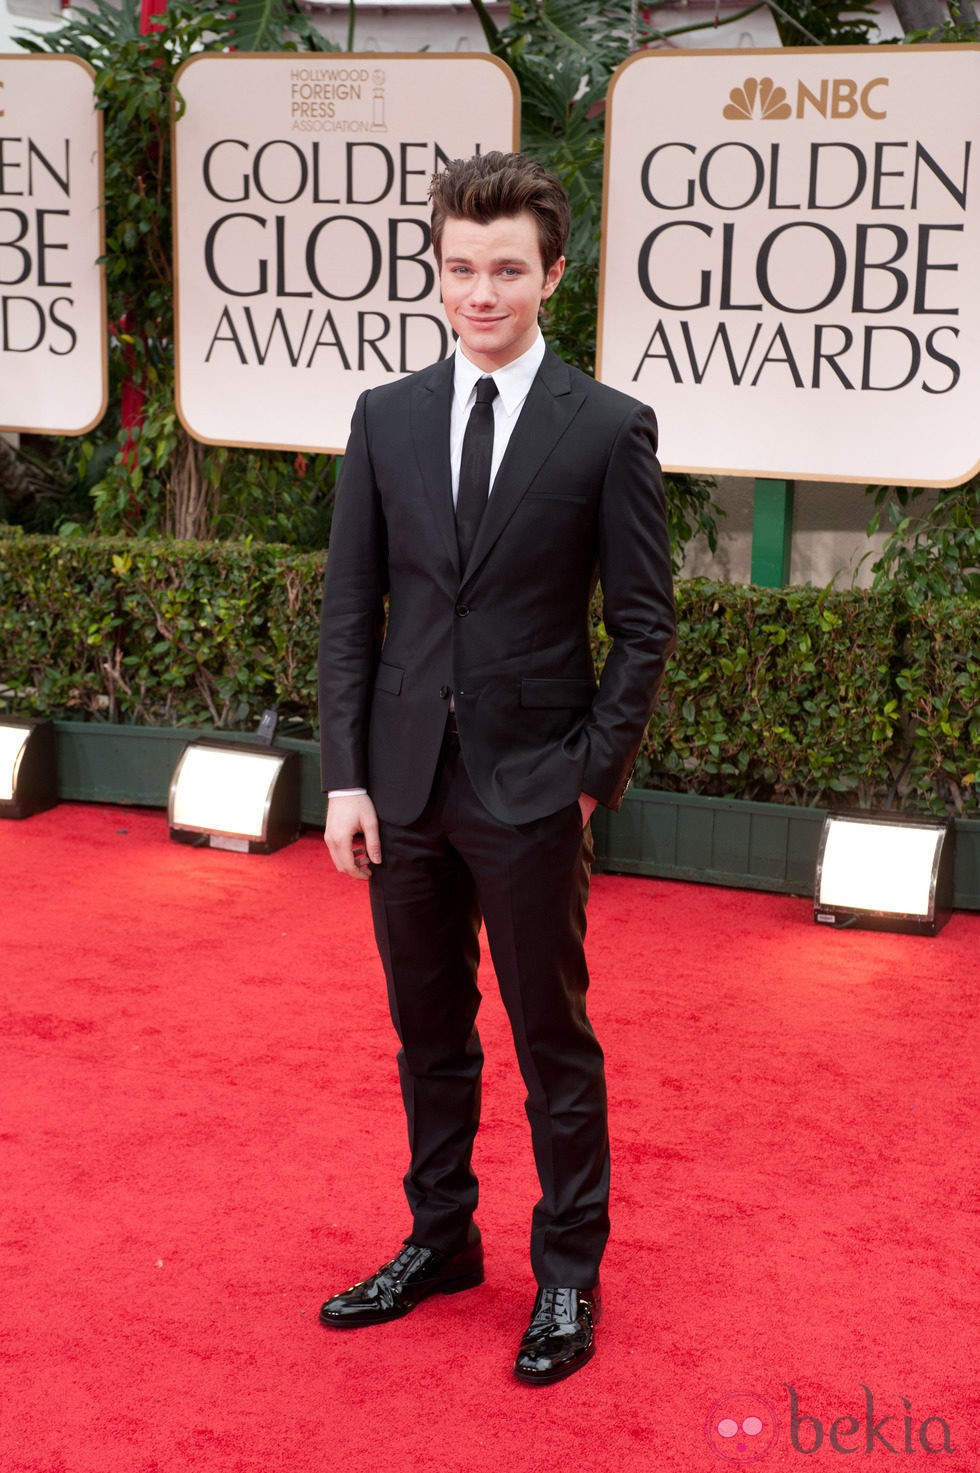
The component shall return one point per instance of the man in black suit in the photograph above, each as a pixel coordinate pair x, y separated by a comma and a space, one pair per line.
466, 742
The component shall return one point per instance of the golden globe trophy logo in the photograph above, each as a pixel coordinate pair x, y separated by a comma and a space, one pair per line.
301, 232
788, 277
52, 302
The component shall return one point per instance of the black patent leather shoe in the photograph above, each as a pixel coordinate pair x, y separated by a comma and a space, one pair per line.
398, 1286
561, 1336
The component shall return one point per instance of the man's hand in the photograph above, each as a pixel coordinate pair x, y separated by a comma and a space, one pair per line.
351, 834
587, 806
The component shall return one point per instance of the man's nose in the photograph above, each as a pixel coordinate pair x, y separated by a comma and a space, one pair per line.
483, 289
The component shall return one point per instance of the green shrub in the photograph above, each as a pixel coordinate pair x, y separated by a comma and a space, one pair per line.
796, 695
159, 633
781, 695
939, 684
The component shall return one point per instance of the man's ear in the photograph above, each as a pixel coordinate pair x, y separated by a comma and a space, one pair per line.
552, 277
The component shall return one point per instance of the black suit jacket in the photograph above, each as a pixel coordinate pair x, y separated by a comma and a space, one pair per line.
578, 494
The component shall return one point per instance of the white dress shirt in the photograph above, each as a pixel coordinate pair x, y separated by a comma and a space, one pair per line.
513, 385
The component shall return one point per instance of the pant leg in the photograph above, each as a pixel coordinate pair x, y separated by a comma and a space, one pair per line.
426, 922
533, 882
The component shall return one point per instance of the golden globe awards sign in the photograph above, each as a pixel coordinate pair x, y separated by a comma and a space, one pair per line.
304, 267
53, 376
789, 271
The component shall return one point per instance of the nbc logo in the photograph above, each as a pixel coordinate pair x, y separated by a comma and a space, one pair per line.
759, 99
771, 100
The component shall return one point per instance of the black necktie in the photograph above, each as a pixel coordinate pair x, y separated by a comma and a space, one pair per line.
474, 468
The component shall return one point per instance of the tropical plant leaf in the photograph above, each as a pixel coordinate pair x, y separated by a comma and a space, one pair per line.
274, 25
258, 24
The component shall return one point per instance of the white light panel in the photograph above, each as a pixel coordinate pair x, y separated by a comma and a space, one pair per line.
886, 867
13, 740
225, 793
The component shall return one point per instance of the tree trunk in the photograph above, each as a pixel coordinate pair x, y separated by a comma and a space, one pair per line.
920, 15
15, 488
192, 504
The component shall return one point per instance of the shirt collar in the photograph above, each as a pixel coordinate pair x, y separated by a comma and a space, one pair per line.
513, 381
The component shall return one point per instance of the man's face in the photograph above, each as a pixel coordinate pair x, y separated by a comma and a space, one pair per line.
493, 282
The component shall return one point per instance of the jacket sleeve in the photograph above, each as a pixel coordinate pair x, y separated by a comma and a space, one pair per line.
638, 605
352, 614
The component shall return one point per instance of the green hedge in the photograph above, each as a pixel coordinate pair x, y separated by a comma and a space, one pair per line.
157, 633
780, 695
939, 692
792, 695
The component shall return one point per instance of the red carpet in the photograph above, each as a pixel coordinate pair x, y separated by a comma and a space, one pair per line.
201, 1136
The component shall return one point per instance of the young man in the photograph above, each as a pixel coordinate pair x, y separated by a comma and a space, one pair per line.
465, 742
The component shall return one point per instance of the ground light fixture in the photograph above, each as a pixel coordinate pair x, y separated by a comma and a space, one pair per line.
232, 795
28, 767
885, 872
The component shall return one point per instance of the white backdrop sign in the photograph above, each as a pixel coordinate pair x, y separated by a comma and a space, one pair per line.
789, 271
53, 376
304, 268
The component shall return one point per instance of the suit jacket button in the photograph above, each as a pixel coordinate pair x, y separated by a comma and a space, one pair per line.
462, 610
445, 692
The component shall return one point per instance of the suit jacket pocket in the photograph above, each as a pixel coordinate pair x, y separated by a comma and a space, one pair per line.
566, 694
389, 679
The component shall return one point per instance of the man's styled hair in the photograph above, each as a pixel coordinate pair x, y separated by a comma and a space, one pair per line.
494, 185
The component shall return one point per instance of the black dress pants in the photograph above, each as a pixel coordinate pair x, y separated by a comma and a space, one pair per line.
530, 884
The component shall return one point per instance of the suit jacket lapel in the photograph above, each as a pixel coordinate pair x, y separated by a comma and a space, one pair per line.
548, 409
431, 407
